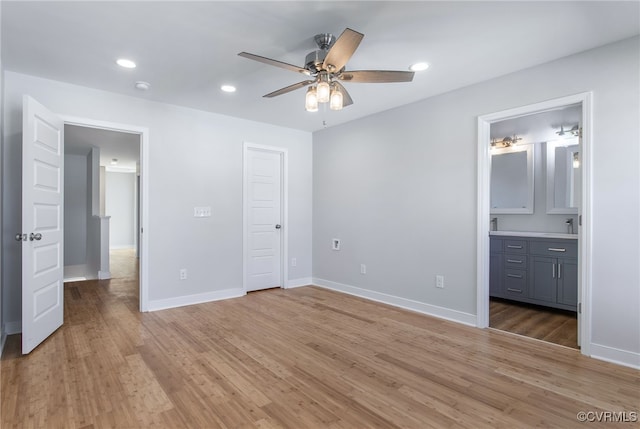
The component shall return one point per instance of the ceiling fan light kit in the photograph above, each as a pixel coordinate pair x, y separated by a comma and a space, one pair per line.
326, 66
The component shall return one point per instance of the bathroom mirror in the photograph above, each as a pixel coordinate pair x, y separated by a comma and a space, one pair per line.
512, 180
564, 175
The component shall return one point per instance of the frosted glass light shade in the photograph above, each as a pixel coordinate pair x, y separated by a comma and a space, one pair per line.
336, 100
311, 100
323, 92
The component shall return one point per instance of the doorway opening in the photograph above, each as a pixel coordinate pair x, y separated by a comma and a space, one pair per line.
116, 203
527, 257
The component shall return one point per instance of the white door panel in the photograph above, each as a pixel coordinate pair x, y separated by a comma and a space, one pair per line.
42, 214
264, 265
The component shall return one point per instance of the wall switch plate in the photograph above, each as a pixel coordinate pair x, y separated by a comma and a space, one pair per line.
183, 274
440, 282
202, 212
294, 262
363, 269
335, 244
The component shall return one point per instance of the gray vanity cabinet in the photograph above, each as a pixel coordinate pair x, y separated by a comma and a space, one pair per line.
535, 270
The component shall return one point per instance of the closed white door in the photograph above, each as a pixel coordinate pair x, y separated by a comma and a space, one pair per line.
264, 219
42, 220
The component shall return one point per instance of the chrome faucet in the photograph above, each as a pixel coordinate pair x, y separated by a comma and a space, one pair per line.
494, 224
569, 223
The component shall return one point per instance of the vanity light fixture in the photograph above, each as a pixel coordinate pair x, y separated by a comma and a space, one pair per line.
114, 161
575, 131
576, 159
505, 142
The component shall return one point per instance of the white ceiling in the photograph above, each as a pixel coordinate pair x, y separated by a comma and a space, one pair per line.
186, 50
125, 147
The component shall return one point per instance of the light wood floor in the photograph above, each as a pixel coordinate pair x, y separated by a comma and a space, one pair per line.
299, 358
547, 324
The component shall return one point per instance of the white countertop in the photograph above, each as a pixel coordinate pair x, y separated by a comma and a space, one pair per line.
534, 234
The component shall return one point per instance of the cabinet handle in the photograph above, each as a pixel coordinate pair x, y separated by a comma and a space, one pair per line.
514, 290
514, 261
556, 249
514, 276
510, 246
553, 271
559, 270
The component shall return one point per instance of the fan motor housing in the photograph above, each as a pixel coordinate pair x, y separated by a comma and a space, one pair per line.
314, 60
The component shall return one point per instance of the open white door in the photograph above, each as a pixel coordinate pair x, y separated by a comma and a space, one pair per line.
42, 221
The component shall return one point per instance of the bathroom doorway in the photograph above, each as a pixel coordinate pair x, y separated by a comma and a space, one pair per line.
528, 256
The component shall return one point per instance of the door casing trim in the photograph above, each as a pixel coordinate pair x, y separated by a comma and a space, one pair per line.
584, 231
144, 187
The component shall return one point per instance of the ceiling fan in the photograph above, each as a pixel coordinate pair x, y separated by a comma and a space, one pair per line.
326, 68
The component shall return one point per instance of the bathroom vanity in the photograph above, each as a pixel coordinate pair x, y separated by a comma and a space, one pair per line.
537, 268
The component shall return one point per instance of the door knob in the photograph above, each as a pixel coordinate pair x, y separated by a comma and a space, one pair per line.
21, 237
278, 226
36, 236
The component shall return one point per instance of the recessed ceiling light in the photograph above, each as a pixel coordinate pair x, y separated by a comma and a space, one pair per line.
128, 64
228, 88
419, 67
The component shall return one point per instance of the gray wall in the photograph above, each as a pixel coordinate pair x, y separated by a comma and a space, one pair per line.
399, 188
119, 204
75, 209
195, 159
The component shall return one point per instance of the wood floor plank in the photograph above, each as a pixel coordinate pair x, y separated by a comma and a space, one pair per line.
300, 358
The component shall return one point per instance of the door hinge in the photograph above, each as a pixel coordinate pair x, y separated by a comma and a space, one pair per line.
579, 308
580, 220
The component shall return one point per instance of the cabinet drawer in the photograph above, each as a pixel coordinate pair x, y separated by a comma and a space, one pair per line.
557, 249
515, 246
516, 261
515, 283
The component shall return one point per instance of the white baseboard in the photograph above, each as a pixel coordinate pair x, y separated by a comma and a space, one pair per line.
104, 275
617, 356
11, 328
180, 301
303, 281
396, 301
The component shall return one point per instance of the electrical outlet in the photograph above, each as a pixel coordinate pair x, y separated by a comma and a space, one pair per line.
440, 282
294, 262
363, 269
335, 244
183, 273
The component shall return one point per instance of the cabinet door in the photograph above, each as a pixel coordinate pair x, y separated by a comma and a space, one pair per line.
495, 275
568, 282
543, 272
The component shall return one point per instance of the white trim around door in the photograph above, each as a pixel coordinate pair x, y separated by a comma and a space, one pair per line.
284, 208
585, 211
144, 187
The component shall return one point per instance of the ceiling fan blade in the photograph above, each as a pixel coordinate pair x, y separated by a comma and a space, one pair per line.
376, 76
342, 50
346, 98
275, 63
289, 88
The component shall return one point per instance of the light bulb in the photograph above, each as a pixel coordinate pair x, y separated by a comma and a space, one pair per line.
336, 100
324, 90
311, 100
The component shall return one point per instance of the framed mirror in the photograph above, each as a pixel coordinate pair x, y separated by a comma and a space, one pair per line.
564, 175
512, 180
